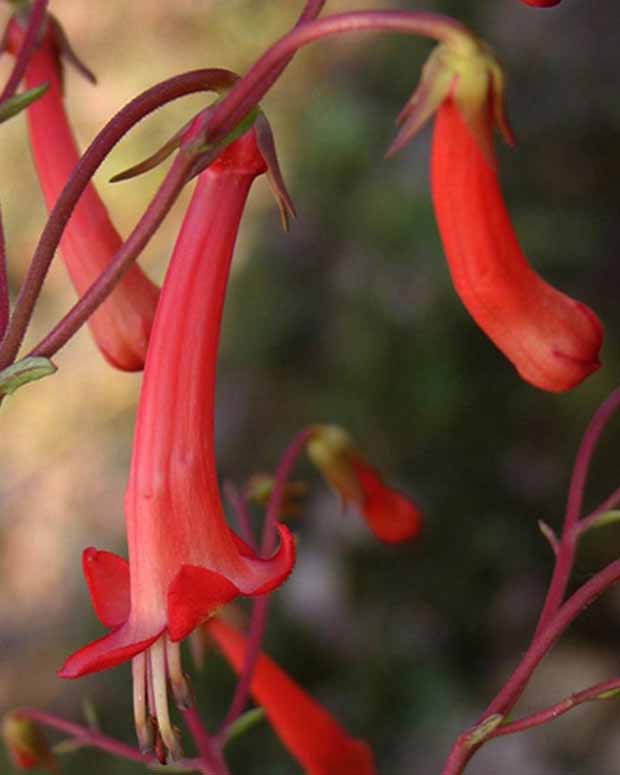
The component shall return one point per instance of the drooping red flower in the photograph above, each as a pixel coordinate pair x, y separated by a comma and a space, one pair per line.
122, 324
542, 3
392, 516
310, 733
552, 340
184, 560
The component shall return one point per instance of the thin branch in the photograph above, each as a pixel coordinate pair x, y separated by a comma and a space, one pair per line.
4, 283
121, 261
36, 20
565, 555
108, 137
463, 749
250, 89
543, 642
88, 736
597, 692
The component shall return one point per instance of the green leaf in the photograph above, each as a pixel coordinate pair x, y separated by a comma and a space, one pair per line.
244, 723
24, 371
606, 518
19, 102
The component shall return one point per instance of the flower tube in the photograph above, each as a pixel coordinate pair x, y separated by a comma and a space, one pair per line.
552, 340
310, 733
184, 560
122, 324
541, 3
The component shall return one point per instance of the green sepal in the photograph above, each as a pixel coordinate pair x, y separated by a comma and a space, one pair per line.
244, 723
480, 732
19, 102
24, 371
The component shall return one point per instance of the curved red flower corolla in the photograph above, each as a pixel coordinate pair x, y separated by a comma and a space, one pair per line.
184, 560
542, 3
392, 516
310, 733
122, 324
552, 340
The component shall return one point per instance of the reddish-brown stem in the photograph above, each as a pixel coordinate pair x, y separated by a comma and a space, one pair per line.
36, 19
211, 759
259, 611
565, 555
115, 129
553, 712
89, 737
250, 89
505, 700
132, 247
541, 644
4, 283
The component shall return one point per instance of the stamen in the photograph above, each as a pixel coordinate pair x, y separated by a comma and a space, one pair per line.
178, 680
157, 655
144, 730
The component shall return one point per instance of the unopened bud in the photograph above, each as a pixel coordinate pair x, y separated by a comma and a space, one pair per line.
26, 743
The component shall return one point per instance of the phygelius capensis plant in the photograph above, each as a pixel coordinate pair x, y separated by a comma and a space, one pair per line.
186, 563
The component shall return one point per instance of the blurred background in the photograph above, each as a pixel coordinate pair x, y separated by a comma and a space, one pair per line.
350, 318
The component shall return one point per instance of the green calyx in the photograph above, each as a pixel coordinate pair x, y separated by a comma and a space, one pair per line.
469, 73
24, 371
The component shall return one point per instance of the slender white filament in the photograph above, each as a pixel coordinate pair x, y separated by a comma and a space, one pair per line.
157, 656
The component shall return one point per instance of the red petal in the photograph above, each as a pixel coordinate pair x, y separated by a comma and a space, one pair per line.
391, 516
107, 576
109, 651
194, 595
283, 561
309, 732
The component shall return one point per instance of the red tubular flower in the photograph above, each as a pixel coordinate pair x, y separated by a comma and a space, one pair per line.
392, 516
184, 560
541, 3
310, 733
552, 340
122, 324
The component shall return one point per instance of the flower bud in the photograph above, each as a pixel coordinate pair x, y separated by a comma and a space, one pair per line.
26, 743
391, 516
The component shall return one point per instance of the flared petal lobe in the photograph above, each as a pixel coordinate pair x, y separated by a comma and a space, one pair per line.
309, 732
552, 340
121, 325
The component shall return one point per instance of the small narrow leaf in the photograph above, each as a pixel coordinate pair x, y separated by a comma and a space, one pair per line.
244, 723
24, 371
605, 518
19, 102
480, 733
